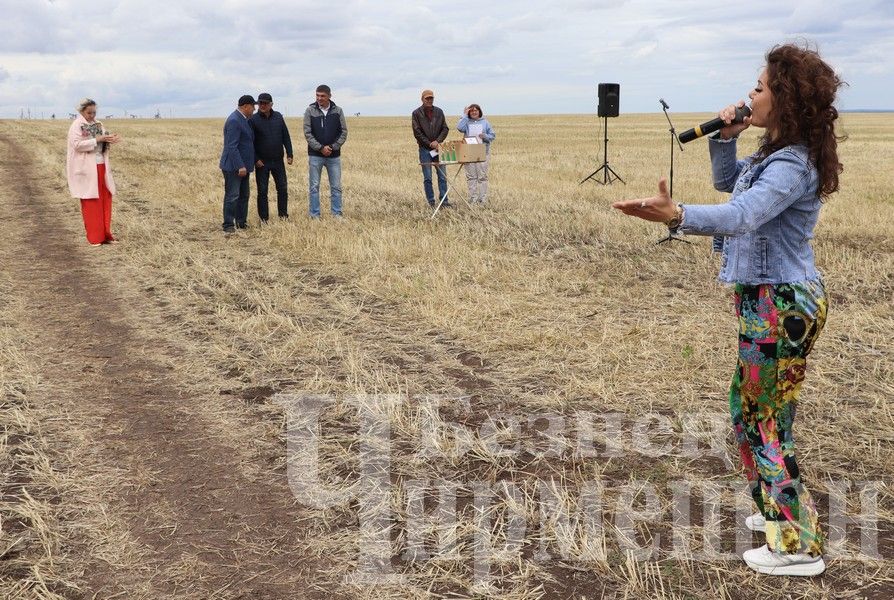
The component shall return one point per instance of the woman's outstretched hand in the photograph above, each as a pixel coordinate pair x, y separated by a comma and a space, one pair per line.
660, 208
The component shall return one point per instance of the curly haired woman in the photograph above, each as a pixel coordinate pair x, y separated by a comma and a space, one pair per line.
779, 295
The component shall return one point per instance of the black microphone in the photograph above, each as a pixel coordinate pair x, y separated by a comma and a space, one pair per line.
664, 104
713, 125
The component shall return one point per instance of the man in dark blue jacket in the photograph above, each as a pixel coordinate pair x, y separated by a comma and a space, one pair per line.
326, 131
236, 161
271, 136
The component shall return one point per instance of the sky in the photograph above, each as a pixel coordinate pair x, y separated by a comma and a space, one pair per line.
194, 59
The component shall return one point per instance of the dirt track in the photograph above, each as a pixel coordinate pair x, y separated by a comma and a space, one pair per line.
177, 493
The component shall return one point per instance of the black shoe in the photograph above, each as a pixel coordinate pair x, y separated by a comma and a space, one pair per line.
229, 230
283, 217
241, 225
431, 203
446, 204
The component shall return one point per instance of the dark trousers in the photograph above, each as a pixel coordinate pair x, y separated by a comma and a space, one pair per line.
235, 204
277, 168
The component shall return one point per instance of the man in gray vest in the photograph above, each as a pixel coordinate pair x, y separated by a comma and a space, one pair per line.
326, 131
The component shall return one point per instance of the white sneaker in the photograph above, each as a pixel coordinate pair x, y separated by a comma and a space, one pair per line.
763, 560
756, 522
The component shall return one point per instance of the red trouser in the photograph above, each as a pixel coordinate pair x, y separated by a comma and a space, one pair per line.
97, 212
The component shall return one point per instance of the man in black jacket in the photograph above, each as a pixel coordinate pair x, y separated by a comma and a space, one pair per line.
430, 129
271, 136
326, 131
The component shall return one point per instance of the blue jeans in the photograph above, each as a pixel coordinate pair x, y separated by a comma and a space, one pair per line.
235, 203
426, 157
277, 168
315, 166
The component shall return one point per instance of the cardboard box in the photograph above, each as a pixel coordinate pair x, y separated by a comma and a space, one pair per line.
461, 152
467, 153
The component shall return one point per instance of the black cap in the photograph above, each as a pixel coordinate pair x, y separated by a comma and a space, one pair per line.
265, 97
246, 99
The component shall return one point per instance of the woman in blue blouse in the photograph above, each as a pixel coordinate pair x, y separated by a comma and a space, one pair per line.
779, 295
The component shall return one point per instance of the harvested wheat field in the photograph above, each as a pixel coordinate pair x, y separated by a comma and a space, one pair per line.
521, 400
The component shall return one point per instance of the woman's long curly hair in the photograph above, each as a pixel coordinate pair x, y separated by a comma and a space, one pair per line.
804, 89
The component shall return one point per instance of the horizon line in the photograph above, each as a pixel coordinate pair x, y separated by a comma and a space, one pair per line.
66, 116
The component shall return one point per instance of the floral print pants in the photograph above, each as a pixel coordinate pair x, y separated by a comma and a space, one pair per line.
778, 325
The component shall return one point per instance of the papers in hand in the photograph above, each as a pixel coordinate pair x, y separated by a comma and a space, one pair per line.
433, 153
472, 140
476, 129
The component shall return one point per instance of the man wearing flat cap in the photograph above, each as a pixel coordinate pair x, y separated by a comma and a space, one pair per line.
430, 129
271, 137
236, 161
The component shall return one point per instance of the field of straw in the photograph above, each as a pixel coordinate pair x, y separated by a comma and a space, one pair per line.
521, 400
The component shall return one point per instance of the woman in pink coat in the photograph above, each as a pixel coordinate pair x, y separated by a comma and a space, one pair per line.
89, 172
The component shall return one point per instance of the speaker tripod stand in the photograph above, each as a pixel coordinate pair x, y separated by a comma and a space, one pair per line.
608, 174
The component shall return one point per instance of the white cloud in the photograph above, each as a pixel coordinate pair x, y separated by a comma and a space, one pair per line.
646, 50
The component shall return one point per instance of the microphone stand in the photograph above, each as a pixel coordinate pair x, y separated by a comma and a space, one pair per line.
671, 233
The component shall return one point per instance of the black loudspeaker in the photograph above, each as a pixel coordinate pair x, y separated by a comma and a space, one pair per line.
609, 99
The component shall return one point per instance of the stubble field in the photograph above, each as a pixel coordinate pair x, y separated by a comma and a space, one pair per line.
521, 400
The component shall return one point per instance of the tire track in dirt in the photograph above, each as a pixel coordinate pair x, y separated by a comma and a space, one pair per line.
204, 528
412, 346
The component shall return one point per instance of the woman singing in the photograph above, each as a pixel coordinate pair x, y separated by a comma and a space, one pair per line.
89, 172
779, 294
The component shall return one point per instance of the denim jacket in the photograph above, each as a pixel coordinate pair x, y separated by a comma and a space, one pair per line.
768, 222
